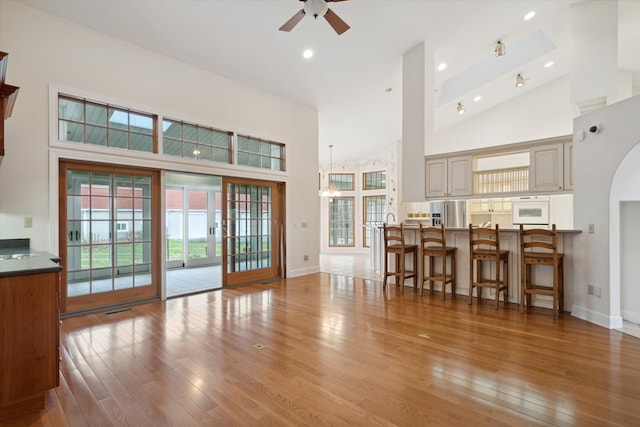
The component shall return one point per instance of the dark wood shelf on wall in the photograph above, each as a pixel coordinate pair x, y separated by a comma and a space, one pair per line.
8, 95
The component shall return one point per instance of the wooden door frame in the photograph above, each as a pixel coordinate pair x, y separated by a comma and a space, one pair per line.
121, 296
278, 233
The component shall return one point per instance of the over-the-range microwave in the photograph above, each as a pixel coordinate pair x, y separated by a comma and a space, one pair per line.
533, 210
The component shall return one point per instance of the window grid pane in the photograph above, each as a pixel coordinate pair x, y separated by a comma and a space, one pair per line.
258, 153
374, 180
375, 211
93, 123
341, 181
197, 142
341, 221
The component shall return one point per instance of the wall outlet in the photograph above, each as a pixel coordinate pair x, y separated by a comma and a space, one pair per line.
590, 290
306, 257
592, 228
594, 290
28, 222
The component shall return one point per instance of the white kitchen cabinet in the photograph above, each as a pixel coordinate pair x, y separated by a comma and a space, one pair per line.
449, 177
546, 170
496, 211
568, 166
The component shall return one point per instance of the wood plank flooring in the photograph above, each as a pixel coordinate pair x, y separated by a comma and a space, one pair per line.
325, 349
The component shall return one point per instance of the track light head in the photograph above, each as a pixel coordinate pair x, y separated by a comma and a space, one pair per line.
460, 108
519, 80
500, 49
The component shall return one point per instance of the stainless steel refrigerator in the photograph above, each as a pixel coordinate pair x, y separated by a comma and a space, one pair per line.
453, 213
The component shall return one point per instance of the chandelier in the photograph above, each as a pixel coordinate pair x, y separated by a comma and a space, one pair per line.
330, 190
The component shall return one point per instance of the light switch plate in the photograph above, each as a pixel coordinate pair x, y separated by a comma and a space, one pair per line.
28, 222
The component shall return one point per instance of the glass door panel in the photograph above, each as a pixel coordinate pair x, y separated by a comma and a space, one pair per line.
198, 251
174, 222
108, 228
250, 232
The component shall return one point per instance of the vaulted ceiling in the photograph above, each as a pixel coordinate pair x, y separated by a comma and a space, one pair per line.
355, 80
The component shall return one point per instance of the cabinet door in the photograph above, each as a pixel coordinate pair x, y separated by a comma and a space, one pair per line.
30, 322
480, 206
460, 179
436, 177
568, 166
546, 169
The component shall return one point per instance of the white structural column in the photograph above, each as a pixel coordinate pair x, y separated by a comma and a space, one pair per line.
417, 120
595, 79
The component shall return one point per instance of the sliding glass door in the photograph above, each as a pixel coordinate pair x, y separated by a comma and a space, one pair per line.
252, 231
108, 216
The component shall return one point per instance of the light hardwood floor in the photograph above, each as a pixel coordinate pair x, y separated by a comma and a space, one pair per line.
326, 349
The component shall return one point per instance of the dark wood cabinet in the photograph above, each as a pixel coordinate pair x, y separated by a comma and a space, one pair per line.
29, 341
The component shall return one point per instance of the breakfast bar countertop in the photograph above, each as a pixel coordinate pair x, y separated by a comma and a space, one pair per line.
19, 259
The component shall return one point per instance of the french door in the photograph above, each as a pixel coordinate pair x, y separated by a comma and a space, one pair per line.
109, 224
192, 235
252, 230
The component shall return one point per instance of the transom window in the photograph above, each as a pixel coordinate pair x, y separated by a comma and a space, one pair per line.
341, 221
374, 180
195, 142
341, 181
93, 123
258, 153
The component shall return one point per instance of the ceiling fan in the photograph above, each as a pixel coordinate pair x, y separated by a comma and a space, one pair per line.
317, 8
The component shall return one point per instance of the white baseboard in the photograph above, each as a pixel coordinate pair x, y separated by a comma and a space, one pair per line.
600, 319
303, 271
631, 315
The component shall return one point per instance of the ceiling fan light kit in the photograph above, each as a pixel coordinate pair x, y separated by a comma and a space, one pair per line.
317, 8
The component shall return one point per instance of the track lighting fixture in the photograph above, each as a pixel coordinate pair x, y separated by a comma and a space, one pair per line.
519, 80
460, 108
500, 49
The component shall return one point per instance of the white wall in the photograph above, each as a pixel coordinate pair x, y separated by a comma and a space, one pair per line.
45, 50
543, 112
605, 172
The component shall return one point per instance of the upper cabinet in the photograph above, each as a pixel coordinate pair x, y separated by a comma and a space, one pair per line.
8, 95
541, 166
550, 168
449, 177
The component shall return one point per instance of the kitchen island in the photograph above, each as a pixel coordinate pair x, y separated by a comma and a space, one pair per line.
29, 328
509, 240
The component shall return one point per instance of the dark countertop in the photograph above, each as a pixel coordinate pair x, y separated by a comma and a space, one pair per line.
18, 261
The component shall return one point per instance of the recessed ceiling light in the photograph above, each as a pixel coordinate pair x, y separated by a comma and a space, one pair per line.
548, 64
308, 53
529, 15
477, 98
442, 66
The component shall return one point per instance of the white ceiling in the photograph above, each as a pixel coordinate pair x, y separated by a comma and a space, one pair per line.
348, 78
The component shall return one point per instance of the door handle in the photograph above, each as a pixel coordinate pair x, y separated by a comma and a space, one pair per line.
77, 235
71, 236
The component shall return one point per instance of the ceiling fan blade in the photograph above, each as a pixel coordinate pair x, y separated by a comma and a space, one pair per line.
336, 23
288, 26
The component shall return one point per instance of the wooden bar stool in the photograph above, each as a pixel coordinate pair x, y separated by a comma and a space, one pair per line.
484, 246
540, 247
433, 244
394, 243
